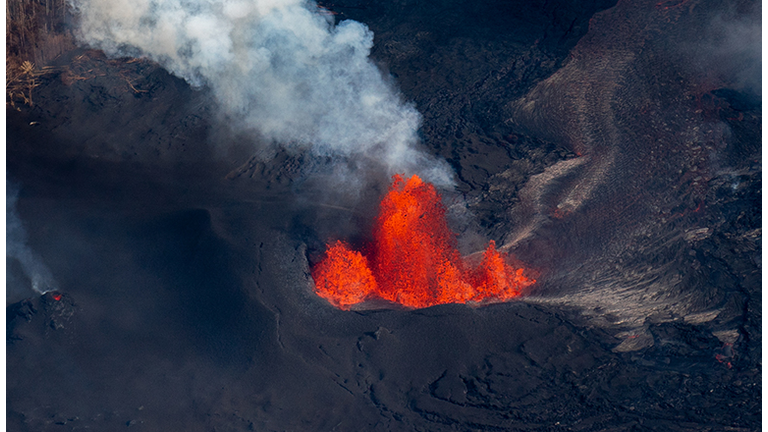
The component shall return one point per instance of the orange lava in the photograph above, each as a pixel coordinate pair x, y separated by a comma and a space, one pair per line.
343, 277
414, 260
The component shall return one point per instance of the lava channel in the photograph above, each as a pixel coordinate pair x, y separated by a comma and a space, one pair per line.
413, 259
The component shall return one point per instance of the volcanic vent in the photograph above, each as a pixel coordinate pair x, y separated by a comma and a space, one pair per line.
413, 259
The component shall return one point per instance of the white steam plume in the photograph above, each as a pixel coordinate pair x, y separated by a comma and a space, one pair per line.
276, 67
16, 247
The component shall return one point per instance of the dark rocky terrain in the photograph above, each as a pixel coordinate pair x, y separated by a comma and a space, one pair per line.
615, 149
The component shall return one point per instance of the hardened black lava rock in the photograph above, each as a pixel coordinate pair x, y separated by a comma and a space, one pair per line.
602, 143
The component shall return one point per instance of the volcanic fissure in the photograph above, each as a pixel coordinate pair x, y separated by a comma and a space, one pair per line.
413, 259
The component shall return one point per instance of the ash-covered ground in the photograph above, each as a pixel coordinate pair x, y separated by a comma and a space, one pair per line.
613, 149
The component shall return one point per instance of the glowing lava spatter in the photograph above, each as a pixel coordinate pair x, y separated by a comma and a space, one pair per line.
414, 260
414, 252
343, 277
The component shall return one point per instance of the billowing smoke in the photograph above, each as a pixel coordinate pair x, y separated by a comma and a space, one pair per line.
16, 248
277, 68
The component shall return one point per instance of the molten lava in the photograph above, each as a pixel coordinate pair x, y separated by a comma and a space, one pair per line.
343, 277
414, 252
414, 260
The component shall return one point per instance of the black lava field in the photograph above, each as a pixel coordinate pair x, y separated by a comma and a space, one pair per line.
612, 149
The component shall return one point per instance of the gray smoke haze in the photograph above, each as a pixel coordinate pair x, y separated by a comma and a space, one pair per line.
730, 50
277, 68
16, 248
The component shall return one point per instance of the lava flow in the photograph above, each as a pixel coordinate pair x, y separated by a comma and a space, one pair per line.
413, 259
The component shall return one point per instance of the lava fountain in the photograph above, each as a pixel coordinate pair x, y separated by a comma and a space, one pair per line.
413, 259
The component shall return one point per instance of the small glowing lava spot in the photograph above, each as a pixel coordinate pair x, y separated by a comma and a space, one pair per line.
57, 297
413, 259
